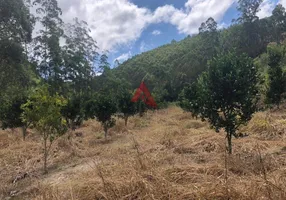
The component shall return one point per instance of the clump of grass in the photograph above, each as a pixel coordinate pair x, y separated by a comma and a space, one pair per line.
140, 122
260, 124
195, 124
119, 128
184, 150
267, 126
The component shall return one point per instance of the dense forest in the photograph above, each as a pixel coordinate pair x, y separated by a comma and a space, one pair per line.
50, 76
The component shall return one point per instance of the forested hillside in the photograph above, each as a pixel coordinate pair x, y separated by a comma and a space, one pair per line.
170, 67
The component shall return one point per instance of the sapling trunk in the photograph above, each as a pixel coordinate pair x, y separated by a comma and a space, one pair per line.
140, 110
229, 147
73, 125
126, 119
45, 154
24, 132
105, 131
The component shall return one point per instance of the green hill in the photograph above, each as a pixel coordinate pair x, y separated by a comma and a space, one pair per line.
168, 67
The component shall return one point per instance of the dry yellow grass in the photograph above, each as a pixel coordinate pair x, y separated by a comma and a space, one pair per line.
164, 155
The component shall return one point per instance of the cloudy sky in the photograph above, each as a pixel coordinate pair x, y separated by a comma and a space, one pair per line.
129, 27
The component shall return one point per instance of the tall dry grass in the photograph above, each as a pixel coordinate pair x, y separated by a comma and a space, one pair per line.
164, 155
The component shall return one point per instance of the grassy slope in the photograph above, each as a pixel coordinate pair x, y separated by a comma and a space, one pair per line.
164, 155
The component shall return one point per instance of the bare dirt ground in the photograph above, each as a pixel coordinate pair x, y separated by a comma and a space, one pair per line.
164, 155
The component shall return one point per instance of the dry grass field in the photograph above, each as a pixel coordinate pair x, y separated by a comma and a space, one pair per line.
164, 155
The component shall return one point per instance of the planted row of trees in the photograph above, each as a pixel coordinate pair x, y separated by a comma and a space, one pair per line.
48, 78
44, 112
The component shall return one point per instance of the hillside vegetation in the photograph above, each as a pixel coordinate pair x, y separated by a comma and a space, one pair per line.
164, 155
169, 68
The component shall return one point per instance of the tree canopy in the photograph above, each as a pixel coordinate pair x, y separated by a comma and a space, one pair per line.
226, 94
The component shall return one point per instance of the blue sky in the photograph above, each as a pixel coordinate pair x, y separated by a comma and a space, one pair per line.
129, 27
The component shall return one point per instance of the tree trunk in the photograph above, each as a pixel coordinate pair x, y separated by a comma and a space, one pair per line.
140, 109
105, 131
24, 132
73, 125
45, 155
126, 119
229, 147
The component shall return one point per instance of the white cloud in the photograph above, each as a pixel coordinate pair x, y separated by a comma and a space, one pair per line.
283, 2
119, 22
164, 14
124, 57
156, 32
143, 46
112, 22
222, 25
266, 9
196, 11
192, 3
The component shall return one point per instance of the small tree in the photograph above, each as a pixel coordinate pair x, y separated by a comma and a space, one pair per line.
43, 111
125, 105
225, 94
74, 110
188, 99
102, 109
276, 78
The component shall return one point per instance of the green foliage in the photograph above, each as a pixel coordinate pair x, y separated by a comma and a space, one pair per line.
279, 23
225, 94
276, 86
103, 63
10, 113
79, 54
16, 22
276, 77
103, 107
160, 96
248, 9
250, 40
125, 105
189, 99
74, 111
210, 38
47, 50
275, 54
169, 67
16, 73
43, 112
12, 37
